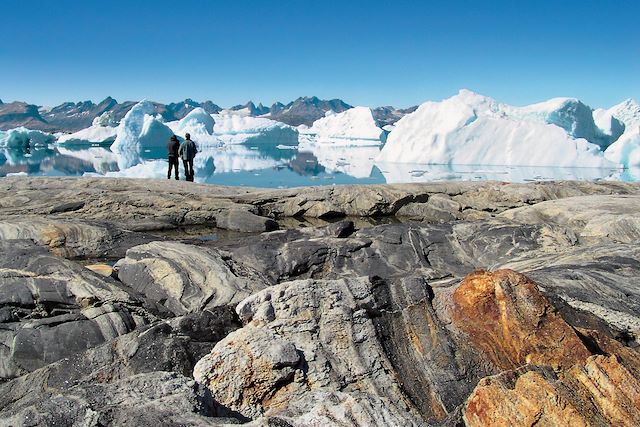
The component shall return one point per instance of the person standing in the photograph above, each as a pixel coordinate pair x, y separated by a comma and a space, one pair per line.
173, 146
188, 151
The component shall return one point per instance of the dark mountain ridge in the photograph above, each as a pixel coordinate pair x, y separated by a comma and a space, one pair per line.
73, 116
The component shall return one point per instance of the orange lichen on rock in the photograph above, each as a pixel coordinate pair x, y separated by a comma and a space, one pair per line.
600, 391
508, 319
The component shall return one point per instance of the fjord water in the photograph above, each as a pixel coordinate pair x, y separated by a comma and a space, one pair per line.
267, 163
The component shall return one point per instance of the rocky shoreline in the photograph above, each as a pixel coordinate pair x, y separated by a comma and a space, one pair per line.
453, 303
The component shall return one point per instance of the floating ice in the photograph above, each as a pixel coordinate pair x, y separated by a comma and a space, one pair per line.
626, 150
470, 129
102, 130
21, 137
352, 127
137, 131
238, 129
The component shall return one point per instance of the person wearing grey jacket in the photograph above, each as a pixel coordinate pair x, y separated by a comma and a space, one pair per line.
187, 152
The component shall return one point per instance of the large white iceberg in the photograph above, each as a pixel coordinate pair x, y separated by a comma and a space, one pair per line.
239, 129
626, 150
21, 137
471, 129
103, 130
138, 131
354, 126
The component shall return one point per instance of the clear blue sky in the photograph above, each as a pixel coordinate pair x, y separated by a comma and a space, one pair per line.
372, 53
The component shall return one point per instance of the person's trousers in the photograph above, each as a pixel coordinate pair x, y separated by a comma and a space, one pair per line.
173, 164
188, 169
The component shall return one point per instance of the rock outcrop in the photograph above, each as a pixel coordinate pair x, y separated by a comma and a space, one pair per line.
441, 304
185, 278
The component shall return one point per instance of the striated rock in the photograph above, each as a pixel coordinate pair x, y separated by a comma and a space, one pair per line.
186, 278
506, 317
600, 391
611, 217
301, 337
51, 308
72, 238
150, 399
152, 363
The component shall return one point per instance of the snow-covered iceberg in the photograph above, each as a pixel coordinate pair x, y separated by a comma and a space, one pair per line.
22, 137
626, 150
103, 130
471, 129
239, 129
199, 124
139, 130
354, 126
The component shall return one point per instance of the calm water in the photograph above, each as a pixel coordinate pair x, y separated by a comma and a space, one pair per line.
266, 163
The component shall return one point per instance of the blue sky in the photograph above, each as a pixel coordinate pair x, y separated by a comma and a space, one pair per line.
366, 52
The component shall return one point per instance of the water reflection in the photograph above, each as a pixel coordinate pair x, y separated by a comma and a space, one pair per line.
401, 172
267, 162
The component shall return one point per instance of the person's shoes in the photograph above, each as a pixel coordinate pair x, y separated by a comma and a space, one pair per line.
177, 179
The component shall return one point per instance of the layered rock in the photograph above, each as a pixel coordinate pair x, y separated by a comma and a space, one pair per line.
186, 278
400, 315
301, 337
51, 308
142, 378
600, 391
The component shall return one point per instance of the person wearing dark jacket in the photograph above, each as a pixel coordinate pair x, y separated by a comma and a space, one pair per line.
173, 146
188, 151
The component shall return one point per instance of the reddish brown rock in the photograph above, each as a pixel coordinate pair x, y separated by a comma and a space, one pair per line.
601, 391
512, 324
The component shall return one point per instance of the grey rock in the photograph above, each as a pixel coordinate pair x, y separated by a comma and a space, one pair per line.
51, 308
140, 378
241, 220
186, 278
304, 336
72, 238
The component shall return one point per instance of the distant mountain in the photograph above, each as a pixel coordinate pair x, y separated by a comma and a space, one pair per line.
16, 114
389, 115
178, 110
71, 117
251, 109
305, 110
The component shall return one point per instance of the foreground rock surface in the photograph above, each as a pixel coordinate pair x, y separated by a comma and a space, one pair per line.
412, 310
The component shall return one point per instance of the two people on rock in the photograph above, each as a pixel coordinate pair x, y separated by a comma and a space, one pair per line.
187, 151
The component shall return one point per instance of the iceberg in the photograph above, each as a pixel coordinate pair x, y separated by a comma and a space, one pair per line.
354, 126
20, 137
471, 129
626, 150
240, 129
102, 130
199, 124
139, 130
